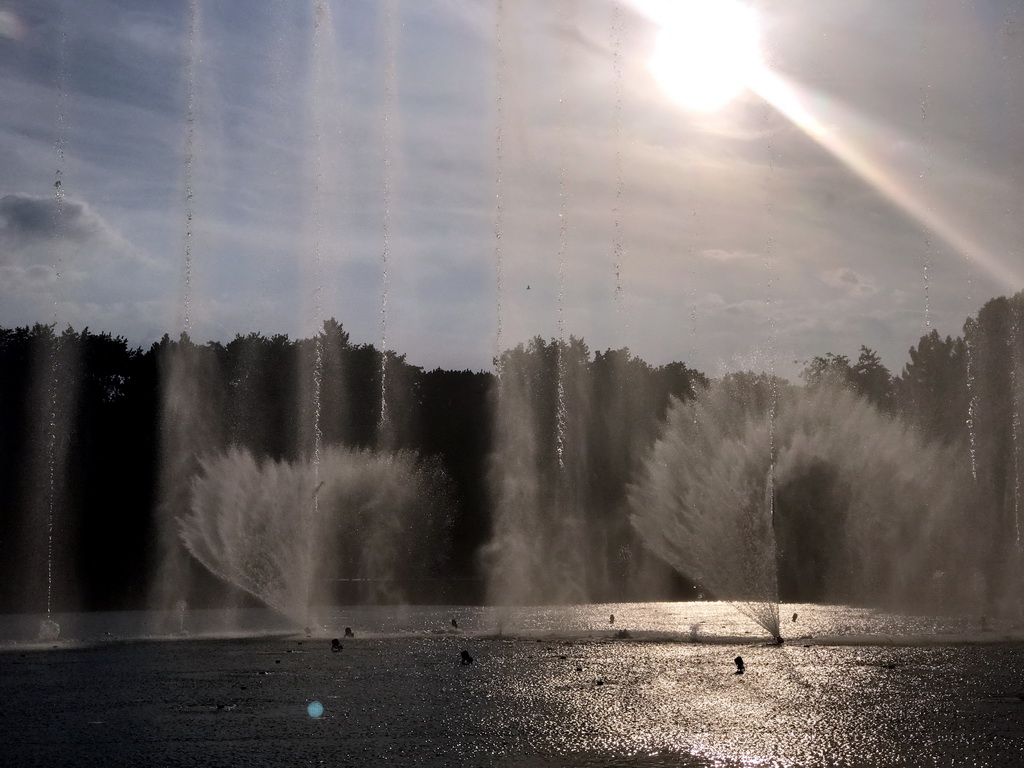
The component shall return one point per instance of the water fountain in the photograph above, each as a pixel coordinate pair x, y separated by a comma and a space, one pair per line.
865, 512
380, 520
307, 522
756, 495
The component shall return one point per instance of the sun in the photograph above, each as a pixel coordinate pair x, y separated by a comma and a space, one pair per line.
706, 51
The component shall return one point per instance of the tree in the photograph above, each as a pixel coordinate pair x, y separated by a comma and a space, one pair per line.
868, 377
994, 345
830, 369
933, 388
871, 379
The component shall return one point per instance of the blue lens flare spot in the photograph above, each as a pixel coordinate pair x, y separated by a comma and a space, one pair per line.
315, 709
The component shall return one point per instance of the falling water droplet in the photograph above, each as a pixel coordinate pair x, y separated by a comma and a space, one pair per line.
693, 328
563, 243
191, 60
972, 396
1013, 342
387, 143
926, 174
499, 170
927, 285
618, 245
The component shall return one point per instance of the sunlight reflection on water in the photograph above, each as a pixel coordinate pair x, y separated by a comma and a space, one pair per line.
696, 621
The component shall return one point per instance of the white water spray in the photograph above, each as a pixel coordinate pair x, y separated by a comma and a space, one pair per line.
863, 509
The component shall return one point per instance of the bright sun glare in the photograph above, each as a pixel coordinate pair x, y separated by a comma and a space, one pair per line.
706, 51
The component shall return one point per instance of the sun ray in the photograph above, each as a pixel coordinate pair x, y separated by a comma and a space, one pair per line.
708, 51
828, 125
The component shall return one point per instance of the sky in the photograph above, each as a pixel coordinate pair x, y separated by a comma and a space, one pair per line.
448, 178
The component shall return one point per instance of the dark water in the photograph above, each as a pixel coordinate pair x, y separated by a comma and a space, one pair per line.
575, 698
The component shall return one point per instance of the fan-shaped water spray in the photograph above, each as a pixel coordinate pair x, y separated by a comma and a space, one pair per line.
284, 531
783, 496
864, 510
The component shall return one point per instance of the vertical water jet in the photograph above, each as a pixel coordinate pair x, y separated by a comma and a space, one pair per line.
385, 428
567, 448
618, 238
187, 418
54, 383
1013, 342
322, 27
191, 59
57, 357
972, 395
562, 248
499, 191
927, 171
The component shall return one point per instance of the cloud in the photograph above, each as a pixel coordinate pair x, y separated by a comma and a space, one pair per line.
11, 26
850, 282
26, 219
63, 256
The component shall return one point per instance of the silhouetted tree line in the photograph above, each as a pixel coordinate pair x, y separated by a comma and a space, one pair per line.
92, 441
78, 446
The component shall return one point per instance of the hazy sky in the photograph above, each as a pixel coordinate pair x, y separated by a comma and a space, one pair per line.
388, 136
